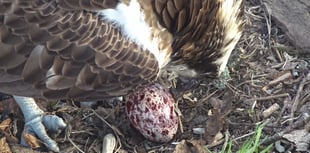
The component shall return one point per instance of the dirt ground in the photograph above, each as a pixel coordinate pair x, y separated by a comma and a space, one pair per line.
268, 83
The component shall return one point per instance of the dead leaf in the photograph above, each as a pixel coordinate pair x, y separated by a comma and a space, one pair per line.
5, 124
199, 146
7, 132
300, 137
217, 118
192, 146
32, 141
182, 148
16, 148
4, 146
10, 138
214, 125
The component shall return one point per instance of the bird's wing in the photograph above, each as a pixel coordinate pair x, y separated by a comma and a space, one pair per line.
67, 51
89, 5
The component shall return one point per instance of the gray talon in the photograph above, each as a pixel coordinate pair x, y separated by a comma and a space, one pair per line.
36, 122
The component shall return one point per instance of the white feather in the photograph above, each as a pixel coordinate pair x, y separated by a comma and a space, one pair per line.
131, 20
228, 14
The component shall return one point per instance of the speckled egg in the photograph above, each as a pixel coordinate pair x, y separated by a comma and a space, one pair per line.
151, 111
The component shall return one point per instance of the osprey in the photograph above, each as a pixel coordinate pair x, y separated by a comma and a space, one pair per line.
91, 49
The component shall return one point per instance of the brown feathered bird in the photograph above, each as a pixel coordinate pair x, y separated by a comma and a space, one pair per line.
91, 49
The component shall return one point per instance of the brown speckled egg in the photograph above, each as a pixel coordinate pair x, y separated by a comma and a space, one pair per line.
151, 111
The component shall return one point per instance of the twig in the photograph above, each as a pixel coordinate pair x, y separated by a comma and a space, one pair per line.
115, 130
227, 135
298, 93
305, 98
268, 97
235, 89
204, 99
248, 81
215, 143
268, 22
69, 139
251, 133
180, 115
305, 117
244, 136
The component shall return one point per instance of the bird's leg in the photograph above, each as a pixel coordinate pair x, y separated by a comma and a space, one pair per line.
36, 122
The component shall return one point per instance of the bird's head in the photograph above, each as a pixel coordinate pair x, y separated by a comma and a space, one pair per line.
196, 34
204, 39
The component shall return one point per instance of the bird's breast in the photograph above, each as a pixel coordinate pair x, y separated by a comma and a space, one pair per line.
139, 23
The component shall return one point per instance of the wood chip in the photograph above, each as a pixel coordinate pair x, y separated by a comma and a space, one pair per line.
266, 113
4, 146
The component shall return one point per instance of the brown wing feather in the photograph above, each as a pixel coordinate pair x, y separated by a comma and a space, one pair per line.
193, 19
89, 5
55, 53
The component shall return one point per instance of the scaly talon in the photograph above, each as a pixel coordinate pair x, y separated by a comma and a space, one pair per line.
36, 122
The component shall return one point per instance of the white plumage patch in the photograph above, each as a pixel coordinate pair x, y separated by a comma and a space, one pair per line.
130, 19
228, 16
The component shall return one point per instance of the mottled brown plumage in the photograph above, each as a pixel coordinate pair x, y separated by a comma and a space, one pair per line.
198, 30
60, 49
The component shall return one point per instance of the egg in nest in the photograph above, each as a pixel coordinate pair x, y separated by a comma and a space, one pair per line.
151, 112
